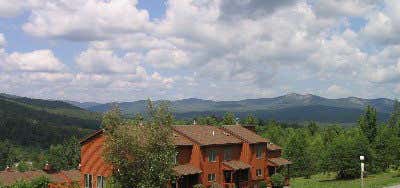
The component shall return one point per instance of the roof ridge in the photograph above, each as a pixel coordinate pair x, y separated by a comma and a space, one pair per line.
186, 136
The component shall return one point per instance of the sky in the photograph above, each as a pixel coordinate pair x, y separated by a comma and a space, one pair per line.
126, 50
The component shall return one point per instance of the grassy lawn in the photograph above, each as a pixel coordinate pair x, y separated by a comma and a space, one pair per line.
329, 181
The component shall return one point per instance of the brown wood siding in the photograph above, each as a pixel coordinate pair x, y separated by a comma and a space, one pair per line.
92, 161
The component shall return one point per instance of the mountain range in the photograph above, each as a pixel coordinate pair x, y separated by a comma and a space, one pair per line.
291, 107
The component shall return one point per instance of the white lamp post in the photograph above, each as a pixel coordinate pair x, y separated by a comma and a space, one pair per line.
362, 171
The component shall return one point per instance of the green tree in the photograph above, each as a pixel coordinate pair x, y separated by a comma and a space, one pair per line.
65, 156
394, 120
342, 155
138, 119
251, 120
368, 124
387, 146
229, 119
297, 150
112, 119
149, 148
5, 154
312, 128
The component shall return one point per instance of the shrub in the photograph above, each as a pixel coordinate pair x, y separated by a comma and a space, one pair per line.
262, 184
277, 180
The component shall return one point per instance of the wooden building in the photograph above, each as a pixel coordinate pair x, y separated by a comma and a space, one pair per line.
231, 156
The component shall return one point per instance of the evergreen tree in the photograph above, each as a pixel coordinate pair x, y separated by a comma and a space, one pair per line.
229, 119
368, 124
312, 128
251, 120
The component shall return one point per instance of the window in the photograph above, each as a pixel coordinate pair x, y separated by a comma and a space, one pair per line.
212, 156
211, 177
259, 152
227, 154
175, 158
88, 181
259, 172
101, 182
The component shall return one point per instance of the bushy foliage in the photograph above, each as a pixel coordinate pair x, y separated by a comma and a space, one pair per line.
64, 156
315, 149
262, 184
148, 147
41, 182
278, 180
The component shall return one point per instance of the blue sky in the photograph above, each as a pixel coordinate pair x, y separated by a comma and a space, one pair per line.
98, 50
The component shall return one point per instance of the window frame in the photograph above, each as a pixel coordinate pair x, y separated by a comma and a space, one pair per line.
88, 180
212, 156
259, 151
211, 177
227, 152
259, 172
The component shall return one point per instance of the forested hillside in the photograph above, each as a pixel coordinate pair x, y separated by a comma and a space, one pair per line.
35, 122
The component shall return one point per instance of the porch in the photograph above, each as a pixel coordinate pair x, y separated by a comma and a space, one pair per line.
236, 174
279, 165
186, 176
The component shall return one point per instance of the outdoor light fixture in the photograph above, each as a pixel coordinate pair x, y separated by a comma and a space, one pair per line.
362, 170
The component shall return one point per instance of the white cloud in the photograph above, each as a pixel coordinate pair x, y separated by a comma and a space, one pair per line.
105, 61
12, 8
86, 19
249, 48
167, 58
35, 61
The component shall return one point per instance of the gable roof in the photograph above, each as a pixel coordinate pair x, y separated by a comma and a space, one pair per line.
245, 134
92, 136
206, 134
180, 140
187, 135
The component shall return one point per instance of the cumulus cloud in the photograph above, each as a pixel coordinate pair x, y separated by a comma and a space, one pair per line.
86, 19
35, 61
383, 24
105, 61
251, 48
